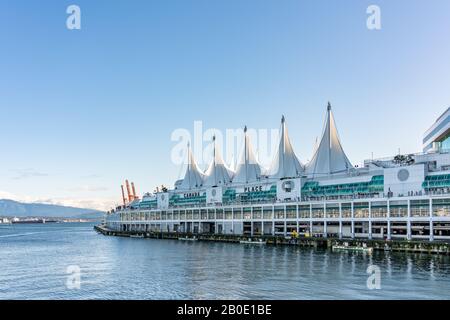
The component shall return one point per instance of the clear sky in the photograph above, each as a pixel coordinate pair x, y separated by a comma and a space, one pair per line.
81, 110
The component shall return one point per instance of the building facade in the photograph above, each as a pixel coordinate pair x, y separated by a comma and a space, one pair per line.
403, 197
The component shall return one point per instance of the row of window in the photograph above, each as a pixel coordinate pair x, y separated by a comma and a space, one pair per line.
396, 209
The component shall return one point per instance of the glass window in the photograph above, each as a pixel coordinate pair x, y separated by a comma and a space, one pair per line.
279, 212
420, 208
441, 207
257, 213
379, 209
228, 214
361, 209
291, 212
346, 210
268, 213
304, 212
332, 210
247, 213
398, 209
237, 213
318, 211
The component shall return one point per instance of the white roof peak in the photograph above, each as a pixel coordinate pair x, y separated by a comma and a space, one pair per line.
248, 169
329, 156
217, 173
286, 163
193, 177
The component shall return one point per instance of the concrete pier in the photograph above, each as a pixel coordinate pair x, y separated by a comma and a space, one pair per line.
381, 245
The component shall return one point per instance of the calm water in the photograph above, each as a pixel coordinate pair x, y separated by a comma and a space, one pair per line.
34, 261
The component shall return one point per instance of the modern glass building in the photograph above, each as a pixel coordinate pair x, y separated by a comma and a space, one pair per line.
437, 138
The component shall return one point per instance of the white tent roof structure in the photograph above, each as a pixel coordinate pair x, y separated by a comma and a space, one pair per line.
248, 168
193, 178
217, 174
286, 163
329, 157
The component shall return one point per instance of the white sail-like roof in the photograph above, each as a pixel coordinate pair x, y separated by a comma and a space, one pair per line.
193, 177
329, 156
248, 168
286, 163
217, 174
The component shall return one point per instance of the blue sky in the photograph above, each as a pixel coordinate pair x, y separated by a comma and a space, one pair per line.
84, 109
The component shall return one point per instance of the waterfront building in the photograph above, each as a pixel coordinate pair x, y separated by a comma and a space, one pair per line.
405, 197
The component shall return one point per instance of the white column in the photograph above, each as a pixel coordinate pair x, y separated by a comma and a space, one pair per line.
353, 229
224, 224
325, 231
431, 221
340, 220
251, 221
353, 220
370, 220
273, 220
431, 231
389, 220
298, 229
389, 230
232, 220
409, 231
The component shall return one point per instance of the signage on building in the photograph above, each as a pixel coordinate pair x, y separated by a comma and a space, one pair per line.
253, 189
191, 195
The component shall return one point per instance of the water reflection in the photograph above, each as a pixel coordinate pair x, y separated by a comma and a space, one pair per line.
122, 268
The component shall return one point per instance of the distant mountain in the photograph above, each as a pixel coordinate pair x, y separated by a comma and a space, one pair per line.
19, 209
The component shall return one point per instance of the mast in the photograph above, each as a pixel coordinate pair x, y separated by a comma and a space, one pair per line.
329, 132
245, 154
214, 160
189, 163
284, 141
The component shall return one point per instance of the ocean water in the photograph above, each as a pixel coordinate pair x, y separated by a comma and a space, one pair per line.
35, 260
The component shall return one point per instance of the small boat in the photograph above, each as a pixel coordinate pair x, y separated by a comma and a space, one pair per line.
346, 247
188, 239
250, 241
137, 236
